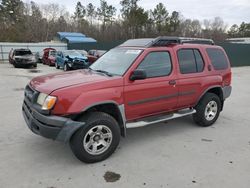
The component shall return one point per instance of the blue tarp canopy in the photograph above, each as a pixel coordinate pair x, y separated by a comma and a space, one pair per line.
74, 37
79, 39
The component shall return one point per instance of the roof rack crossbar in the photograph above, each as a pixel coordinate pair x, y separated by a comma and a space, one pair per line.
164, 41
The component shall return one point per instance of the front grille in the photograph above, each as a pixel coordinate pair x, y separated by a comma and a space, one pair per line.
30, 94
79, 62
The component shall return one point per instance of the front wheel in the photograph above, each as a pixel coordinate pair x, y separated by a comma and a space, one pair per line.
15, 65
56, 65
97, 139
207, 110
65, 67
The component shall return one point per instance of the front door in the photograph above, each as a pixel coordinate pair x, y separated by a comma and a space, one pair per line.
155, 94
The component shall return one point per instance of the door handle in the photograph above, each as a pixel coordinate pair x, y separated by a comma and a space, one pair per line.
172, 82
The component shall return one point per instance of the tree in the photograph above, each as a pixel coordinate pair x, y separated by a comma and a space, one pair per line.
91, 13
11, 10
80, 11
160, 17
234, 31
135, 18
244, 29
12, 20
215, 29
174, 21
106, 13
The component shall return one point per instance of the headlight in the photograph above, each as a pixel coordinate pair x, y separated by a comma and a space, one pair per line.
47, 102
41, 98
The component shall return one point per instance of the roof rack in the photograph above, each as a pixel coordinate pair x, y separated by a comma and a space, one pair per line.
164, 41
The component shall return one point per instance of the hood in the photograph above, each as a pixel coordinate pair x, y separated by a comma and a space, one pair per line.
25, 56
78, 57
49, 83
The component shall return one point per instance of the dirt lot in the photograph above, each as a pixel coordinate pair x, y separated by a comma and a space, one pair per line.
174, 154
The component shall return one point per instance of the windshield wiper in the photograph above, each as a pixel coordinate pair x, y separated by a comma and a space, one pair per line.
104, 72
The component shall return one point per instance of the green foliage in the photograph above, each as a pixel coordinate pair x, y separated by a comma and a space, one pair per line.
80, 11
135, 18
31, 22
106, 12
174, 21
160, 17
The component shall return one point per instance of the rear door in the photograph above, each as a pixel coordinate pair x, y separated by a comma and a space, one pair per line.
155, 94
191, 75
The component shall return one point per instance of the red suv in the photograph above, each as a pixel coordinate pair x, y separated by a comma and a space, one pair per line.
155, 80
49, 56
93, 55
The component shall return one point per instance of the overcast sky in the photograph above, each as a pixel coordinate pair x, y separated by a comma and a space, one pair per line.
232, 11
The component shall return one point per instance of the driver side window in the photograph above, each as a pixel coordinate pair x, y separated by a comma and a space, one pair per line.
156, 64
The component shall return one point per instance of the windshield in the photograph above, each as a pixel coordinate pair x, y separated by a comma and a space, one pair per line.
116, 61
101, 52
23, 52
52, 53
71, 53
83, 52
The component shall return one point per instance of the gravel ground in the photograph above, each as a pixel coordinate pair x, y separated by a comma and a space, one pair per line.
173, 154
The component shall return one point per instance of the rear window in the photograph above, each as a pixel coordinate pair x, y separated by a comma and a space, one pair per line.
217, 58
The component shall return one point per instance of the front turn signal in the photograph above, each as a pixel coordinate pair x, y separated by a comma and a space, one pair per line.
49, 103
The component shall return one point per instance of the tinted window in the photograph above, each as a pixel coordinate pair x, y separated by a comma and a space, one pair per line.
156, 64
190, 61
199, 61
186, 61
217, 58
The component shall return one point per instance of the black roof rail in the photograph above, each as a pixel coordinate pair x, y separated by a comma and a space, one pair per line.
164, 41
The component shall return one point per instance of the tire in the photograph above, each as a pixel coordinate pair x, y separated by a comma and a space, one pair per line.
35, 65
15, 65
56, 65
65, 67
207, 110
82, 137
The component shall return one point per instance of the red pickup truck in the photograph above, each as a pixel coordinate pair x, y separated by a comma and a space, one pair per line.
141, 82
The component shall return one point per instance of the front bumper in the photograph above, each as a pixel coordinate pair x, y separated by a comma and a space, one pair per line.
49, 126
25, 62
78, 65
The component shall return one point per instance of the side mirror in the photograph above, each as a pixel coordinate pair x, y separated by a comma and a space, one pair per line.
138, 75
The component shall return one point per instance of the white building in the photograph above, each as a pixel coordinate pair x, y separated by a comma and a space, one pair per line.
239, 40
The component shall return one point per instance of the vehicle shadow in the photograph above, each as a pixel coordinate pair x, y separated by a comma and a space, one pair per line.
154, 131
46, 150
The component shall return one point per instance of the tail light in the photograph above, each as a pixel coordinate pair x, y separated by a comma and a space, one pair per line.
227, 79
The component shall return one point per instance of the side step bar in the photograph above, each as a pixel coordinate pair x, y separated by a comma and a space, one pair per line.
157, 119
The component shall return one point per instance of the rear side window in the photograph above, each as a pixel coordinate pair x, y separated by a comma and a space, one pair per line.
190, 61
217, 58
156, 64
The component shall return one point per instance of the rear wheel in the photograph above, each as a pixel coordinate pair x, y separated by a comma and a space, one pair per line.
208, 110
97, 139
